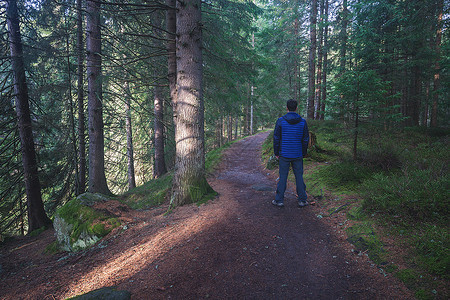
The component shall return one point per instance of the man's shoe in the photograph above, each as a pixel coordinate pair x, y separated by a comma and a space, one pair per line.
303, 203
279, 204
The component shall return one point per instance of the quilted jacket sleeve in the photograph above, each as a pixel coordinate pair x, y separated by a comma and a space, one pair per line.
305, 140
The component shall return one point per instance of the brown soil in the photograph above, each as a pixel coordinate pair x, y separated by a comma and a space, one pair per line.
238, 246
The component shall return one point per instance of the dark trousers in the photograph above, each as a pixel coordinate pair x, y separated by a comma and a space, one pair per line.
297, 167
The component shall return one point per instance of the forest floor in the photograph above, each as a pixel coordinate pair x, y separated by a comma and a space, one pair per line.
237, 246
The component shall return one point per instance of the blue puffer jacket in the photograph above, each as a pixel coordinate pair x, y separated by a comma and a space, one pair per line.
291, 136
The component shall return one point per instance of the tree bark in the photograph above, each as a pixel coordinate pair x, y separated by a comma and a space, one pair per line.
230, 128
343, 38
247, 116
355, 136
80, 100
417, 96
296, 60
318, 89
437, 82
97, 178
312, 60
189, 184
37, 217
325, 64
160, 163
130, 149
171, 27
71, 111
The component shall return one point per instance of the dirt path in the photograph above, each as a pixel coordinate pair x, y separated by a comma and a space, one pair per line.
238, 246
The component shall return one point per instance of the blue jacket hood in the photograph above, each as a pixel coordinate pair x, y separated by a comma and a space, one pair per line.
292, 118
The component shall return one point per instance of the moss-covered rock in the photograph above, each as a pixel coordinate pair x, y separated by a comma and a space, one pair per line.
78, 225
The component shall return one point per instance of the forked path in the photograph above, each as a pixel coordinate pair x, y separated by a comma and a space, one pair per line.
238, 246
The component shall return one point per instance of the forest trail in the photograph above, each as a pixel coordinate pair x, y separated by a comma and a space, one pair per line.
238, 246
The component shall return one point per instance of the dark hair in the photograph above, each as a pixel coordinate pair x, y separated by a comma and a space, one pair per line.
291, 105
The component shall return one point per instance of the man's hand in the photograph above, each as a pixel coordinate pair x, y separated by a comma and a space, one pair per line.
277, 157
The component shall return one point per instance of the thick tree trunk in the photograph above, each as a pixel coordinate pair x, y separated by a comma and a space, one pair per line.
97, 178
130, 149
80, 100
312, 60
189, 184
437, 82
160, 161
325, 64
36, 214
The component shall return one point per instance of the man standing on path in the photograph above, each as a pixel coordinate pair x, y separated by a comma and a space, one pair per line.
290, 145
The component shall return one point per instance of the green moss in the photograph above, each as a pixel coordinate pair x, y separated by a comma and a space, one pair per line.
432, 247
38, 231
391, 268
356, 213
79, 216
150, 194
53, 248
364, 239
408, 276
202, 192
85, 225
423, 294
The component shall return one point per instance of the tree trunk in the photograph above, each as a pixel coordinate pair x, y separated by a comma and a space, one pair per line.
318, 89
247, 114
355, 136
171, 27
296, 60
427, 104
417, 95
312, 60
325, 64
437, 82
80, 100
73, 136
160, 161
218, 132
189, 184
36, 214
130, 149
97, 178
343, 38
230, 128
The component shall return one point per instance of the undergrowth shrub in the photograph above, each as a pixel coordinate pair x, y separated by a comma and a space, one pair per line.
413, 195
345, 175
381, 156
420, 191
